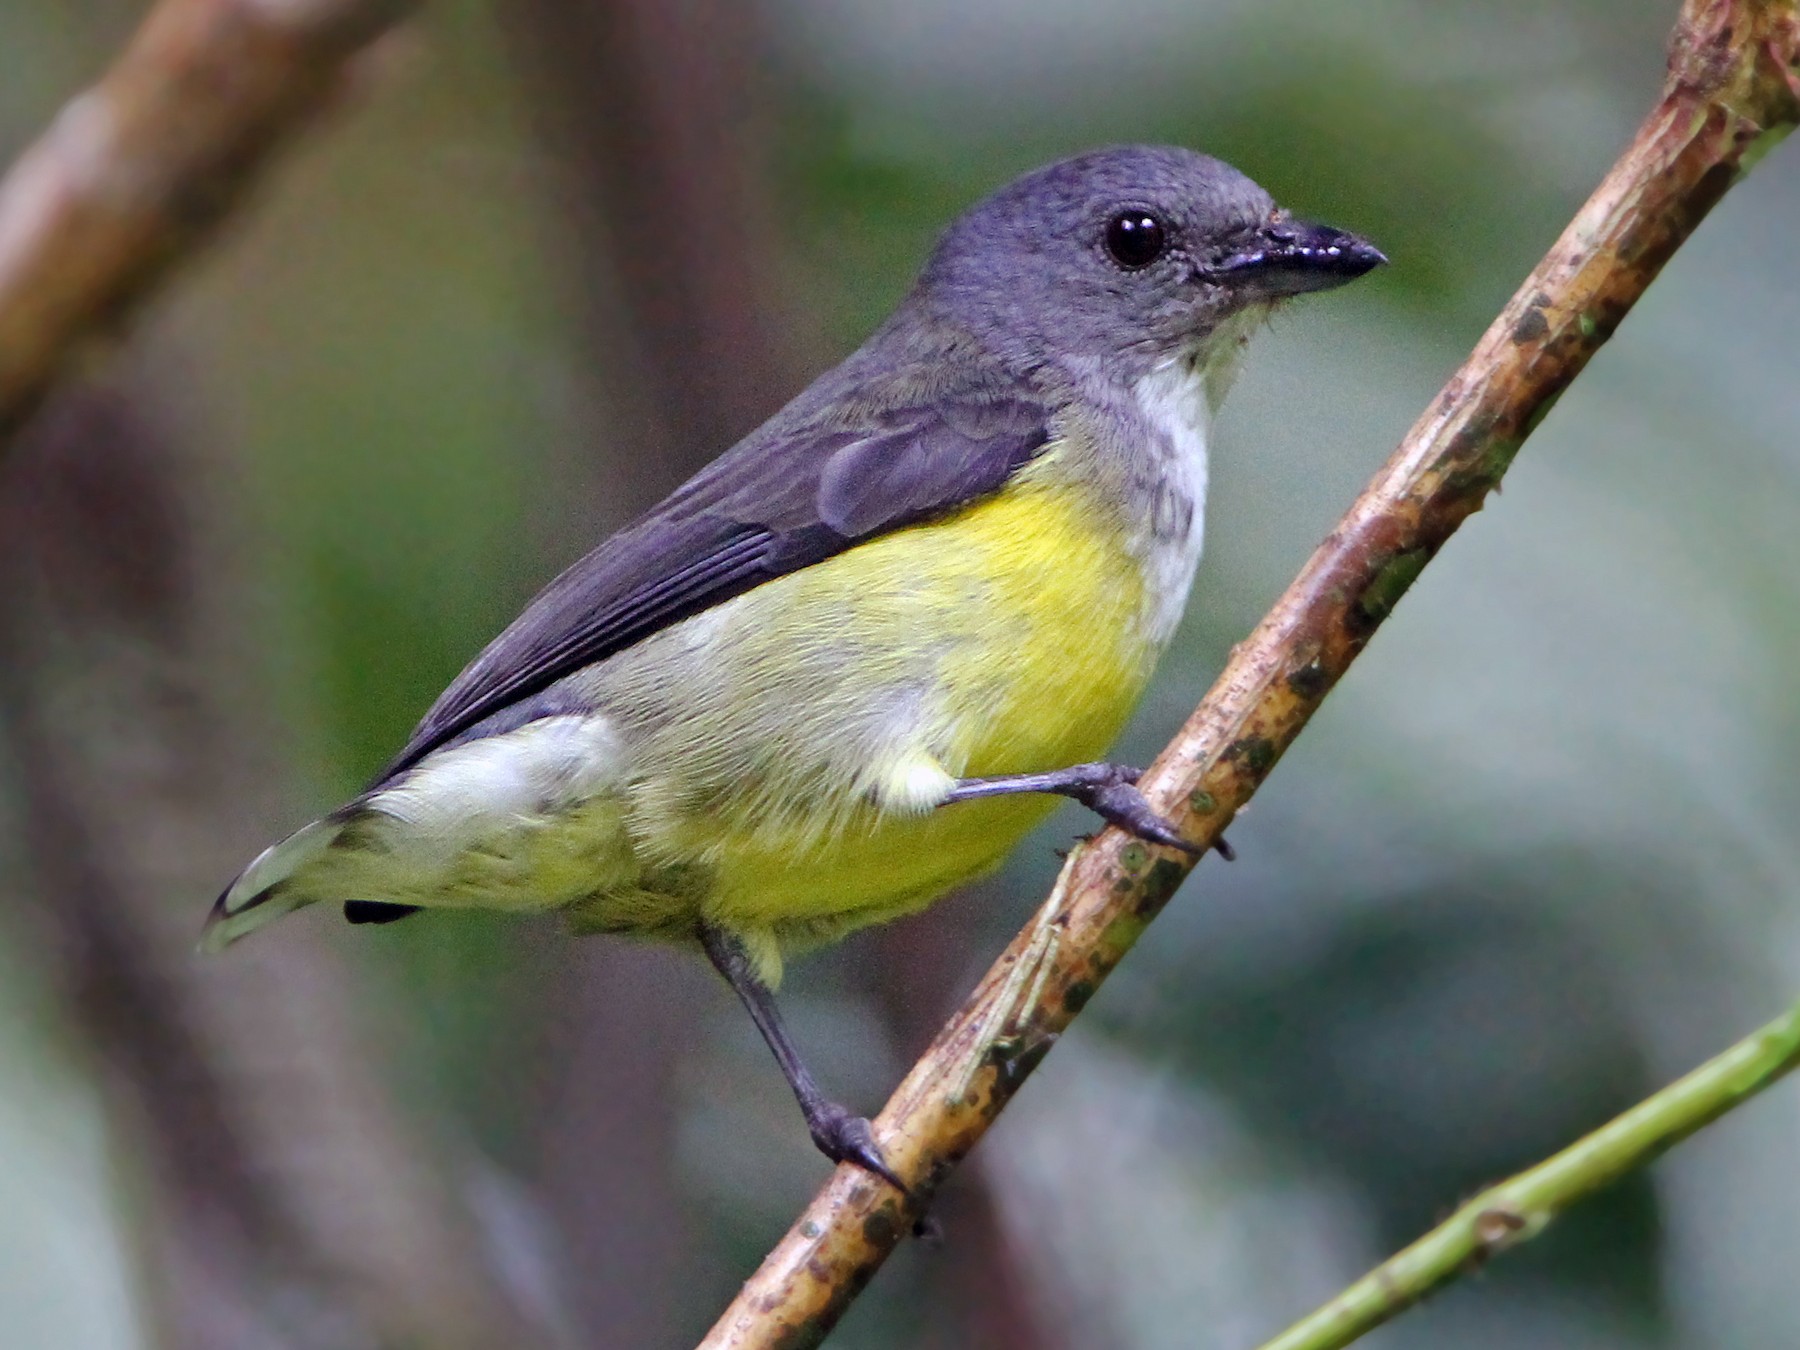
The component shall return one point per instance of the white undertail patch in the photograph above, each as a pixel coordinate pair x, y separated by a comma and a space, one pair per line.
495, 821
458, 795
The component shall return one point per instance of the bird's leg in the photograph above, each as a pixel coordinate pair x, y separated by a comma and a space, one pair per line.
1108, 790
840, 1134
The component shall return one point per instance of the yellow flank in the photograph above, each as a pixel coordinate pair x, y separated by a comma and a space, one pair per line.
1024, 618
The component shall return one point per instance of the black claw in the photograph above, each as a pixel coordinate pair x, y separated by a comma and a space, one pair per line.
1224, 849
844, 1137
1108, 790
1120, 803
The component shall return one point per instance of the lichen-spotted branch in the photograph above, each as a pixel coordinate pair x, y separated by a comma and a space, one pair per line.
1733, 88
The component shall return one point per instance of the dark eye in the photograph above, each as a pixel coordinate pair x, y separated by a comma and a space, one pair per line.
1135, 239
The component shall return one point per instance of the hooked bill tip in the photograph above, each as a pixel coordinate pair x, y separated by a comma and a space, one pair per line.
1295, 257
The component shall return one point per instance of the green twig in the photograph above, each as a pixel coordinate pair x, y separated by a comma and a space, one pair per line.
1519, 1208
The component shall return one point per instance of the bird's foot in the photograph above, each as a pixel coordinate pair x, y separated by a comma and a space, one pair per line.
844, 1136
1110, 791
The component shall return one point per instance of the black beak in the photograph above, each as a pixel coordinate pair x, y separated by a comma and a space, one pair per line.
1291, 257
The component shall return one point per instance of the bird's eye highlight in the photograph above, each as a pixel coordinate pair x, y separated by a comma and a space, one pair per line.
1135, 239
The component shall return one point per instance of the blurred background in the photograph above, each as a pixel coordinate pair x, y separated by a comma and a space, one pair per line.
1536, 856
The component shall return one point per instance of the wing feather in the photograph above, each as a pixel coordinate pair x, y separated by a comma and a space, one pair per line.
804, 487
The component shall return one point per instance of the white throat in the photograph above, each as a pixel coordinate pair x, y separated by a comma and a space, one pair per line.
1173, 401
1177, 400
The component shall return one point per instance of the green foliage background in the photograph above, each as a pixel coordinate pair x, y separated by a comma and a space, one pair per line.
1534, 858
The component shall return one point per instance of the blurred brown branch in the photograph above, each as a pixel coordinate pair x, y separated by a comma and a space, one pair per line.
660, 120
1733, 88
290, 1202
140, 167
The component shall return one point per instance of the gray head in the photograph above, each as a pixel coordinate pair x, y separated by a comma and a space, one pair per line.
1131, 255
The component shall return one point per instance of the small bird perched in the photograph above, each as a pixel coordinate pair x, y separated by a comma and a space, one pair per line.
842, 669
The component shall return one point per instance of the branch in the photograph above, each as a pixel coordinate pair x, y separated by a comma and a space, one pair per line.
281, 1196
1733, 87
137, 170
1521, 1207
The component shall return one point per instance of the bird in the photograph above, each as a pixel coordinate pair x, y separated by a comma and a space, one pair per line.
854, 660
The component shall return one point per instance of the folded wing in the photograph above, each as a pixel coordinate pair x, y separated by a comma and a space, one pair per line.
809, 484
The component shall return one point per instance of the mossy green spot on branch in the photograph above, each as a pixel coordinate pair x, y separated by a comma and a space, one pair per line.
1255, 753
1393, 580
1165, 876
1490, 456
1495, 461
1766, 140
1539, 413
1123, 932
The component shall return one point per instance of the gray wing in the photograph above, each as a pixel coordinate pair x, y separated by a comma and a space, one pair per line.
790, 495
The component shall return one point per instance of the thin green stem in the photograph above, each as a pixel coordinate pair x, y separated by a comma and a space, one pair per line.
1522, 1206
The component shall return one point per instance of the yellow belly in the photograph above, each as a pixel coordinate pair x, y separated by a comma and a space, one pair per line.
1030, 618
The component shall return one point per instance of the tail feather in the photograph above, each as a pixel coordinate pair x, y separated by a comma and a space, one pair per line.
270, 886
